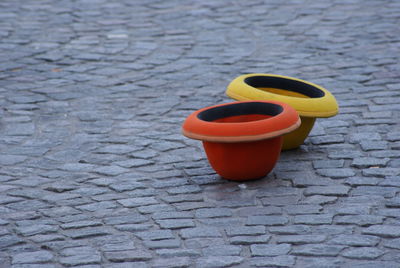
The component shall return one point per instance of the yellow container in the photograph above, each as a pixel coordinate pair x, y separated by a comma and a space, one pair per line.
310, 100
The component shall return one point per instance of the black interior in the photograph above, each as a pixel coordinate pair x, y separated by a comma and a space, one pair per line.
285, 84
244, 108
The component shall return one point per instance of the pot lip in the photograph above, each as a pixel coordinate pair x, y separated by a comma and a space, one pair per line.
320, 106
284, 122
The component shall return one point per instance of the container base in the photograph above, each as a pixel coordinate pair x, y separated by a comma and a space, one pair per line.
296, 138
245, 160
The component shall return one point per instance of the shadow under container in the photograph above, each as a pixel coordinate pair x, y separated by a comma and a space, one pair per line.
242, 140
310, 100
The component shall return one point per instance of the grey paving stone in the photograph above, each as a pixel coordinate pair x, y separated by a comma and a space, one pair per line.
355, 240
200, 232
81, 259
245, 230
363, 162
383, 230
127, 256
389, 212
124, 219
111, 170
356, 209
172, 252
125, 186
355, 181
313, 219
302, 209
11, 159
86, 232
381, 172
248, 211
385, 153
357, 137
248, 240
218, 261
270, 249
393, 243
128, 245
311, 262
278, 261
175, 223
267, 220
373, 145
368, 253
174, 262
389, 181
162, 215
301, 239
277, 191
32, 257
165, 243
320, 199
137, 201
335, 190
327, 139
79, 249
280, 200
185, 189
328, 163
98, 206
155, 235
42, 265
180, 197
317, 250
291, 229
149, 209
361, 220
336, 173
29, 230
212, 212
222, 250
304, 178
46, 238
188, 206
387, 192
344, 154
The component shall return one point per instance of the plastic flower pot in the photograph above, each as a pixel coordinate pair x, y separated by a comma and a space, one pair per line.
242, 140
310, 100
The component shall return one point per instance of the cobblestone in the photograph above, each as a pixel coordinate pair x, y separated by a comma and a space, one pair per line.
127, 256
317, 250
355, 240
32, 257
278, 261
220, 261
172, 262
362, 253
94, 171
248, 240
270, 250
301, 239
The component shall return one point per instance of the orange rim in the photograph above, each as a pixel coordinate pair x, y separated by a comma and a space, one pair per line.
277, 118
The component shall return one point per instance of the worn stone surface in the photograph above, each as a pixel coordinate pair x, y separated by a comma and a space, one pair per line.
362, 253
94, 171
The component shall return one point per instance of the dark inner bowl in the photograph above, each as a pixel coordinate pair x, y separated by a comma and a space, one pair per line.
240, 112
284, 84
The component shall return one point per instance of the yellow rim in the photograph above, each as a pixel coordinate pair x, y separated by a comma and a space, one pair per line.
321, 106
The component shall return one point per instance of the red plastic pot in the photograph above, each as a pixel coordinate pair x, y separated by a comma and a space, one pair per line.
242, 140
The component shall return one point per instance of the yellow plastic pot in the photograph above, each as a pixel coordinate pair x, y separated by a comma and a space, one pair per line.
310, 100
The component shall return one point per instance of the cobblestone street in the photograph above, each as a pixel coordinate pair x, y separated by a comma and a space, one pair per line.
94, 170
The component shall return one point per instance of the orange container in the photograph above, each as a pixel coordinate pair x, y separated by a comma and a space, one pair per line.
242, 140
